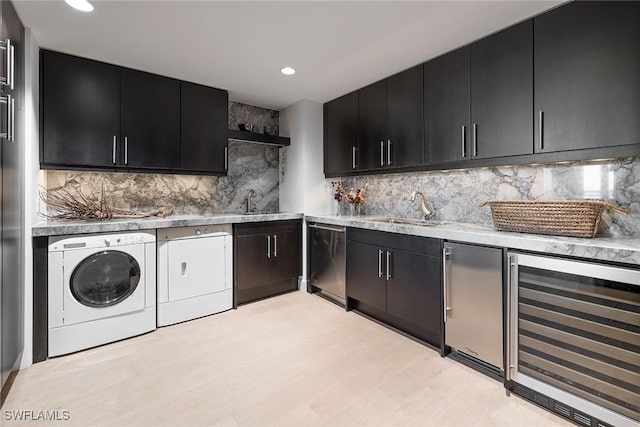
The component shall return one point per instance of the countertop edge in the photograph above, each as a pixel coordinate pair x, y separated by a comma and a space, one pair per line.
624, 250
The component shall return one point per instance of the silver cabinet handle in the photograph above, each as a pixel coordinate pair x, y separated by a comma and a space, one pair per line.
388, 265
381, 153
8, 79
541, 129
268, 246
10, 103
324, 227
11, 59
114, 150
7, 101
475, 140
388, 152
275, 246
226, 158
12, 123
445, 282
463, 140
353, 157
511, 322
380, 272
126, 150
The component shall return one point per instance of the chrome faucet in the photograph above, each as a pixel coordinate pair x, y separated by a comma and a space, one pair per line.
427, 209
250, 204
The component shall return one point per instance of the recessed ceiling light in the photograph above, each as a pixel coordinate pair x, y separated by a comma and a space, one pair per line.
287, 71
82, 5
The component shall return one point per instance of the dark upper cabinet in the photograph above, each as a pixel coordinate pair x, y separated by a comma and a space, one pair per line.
372, 125
446, 107
502, 93
100, 116
341, 135
204, 116
587, 68
150, 120
267, 259
390, 121
80, 111
404, 118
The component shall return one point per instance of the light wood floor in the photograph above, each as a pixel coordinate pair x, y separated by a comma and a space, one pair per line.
291, 360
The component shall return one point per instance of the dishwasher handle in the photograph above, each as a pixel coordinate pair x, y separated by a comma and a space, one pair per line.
324, 227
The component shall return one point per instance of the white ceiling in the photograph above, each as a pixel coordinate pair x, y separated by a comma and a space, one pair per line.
335, 46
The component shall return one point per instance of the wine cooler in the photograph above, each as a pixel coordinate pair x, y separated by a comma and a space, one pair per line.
574, 338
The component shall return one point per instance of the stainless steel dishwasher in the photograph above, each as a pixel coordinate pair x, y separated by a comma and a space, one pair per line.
327, 261
473, 302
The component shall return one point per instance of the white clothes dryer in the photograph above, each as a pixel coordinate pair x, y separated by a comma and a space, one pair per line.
102, 288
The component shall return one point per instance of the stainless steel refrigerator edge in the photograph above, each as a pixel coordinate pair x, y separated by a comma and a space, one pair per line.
473, 302
327, 266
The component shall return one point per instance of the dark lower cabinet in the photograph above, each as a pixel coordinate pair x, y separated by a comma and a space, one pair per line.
396, 279
587, 63
267, 259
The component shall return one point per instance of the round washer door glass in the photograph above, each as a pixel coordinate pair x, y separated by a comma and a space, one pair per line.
105, 278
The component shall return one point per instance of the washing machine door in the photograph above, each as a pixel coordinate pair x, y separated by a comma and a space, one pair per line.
103, 283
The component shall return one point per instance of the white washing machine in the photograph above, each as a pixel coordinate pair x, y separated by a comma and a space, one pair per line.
102, 288
195, 272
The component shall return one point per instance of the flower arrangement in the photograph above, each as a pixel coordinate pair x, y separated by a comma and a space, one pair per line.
338, 190
355, 195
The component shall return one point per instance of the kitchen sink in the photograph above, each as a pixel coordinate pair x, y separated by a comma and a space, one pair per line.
401, 221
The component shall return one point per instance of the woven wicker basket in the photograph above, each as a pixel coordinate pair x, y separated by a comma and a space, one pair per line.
575, 218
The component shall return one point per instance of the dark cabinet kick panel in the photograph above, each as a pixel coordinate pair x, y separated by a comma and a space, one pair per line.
396, 279
587, 63
267, 259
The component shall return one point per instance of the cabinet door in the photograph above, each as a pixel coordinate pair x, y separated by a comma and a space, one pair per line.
341, 134
372, 125
413, 294
364, 283
405, 102
446, 107
204, 124
502, 93
286, 255
253, 264
150, 121
80, 111
587, 63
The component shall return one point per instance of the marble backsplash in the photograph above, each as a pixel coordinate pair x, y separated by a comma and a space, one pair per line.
259, 117
454, 194
251, 166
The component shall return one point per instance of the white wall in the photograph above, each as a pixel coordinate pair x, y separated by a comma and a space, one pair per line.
302, 184
32, 178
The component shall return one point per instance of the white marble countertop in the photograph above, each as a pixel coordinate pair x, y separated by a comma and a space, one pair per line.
59, 228
618, 249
